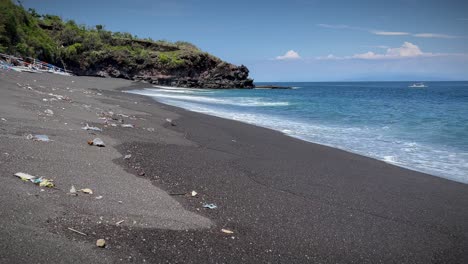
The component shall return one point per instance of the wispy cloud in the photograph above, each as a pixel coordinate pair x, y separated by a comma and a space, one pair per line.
390, 33
376, 46
289, 55
433, 35
406, 50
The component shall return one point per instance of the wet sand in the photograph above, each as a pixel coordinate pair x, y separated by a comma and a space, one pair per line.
286, 200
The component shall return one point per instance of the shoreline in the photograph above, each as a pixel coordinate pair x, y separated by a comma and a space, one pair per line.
177, 108
285, 199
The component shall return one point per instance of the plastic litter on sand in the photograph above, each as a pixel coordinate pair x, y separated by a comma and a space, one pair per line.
86, 190
73, 190
87, 127
227, 231
96, 142
41, 181
210, 206
42, 138
25, 176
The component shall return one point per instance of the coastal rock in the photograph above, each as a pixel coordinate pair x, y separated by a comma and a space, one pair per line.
198, 70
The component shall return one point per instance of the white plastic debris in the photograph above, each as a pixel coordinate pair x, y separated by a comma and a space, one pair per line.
96, 142
42, 138
128, 156
194, 193
87, 191
227, 231
127, 125
210, 206
49, 112
87, 127
3, 119
25, 176
73, 190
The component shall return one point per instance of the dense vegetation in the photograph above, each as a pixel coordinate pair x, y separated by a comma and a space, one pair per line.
97, 51
49, 38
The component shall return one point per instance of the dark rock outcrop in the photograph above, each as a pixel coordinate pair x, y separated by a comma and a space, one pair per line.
197, 70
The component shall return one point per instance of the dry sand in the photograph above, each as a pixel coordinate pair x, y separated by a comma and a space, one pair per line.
287, 201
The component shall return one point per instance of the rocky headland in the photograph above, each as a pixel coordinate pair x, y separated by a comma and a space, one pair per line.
95, 51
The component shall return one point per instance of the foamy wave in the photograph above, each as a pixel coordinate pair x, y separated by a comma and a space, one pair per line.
195, 97
376, 142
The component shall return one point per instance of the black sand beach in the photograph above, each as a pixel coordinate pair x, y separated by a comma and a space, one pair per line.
286, 200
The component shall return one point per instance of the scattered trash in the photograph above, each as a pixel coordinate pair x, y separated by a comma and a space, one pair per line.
101, 243
127, 125
210, 206
120, 202
96, 142
119, 222
41, 181
128, 156
60, 97
45, 182
25, 176
150, 129
141, 173
86, 190
42, 138
170, 122
99, 197
49, 112
3, 119
227, 231
194, 193
73, 191
76, 231
45, 99
87, 127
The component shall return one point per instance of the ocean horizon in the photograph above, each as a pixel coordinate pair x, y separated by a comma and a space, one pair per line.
423, 129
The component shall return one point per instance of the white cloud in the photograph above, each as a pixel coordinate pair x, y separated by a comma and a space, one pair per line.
434, 35
289, 55
389, 33
376, 46
406, 50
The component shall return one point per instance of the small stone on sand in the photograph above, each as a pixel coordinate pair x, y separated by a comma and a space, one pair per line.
101, 243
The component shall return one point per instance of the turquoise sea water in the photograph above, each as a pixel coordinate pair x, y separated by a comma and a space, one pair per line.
424, 129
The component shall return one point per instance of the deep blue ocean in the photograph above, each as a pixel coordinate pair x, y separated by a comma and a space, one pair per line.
424, 129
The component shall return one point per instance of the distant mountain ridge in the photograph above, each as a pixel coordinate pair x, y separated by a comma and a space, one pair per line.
98, 52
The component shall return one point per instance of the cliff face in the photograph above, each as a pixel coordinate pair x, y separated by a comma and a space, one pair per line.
194, 70
99, 52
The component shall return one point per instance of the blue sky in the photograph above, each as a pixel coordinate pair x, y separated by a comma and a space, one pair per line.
299, 40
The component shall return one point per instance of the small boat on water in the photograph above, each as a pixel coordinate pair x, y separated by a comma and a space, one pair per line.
417, 85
